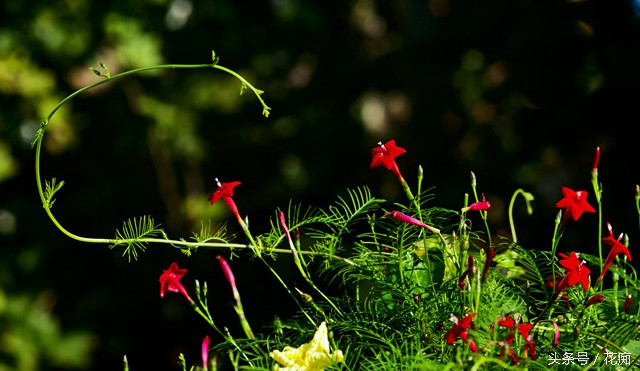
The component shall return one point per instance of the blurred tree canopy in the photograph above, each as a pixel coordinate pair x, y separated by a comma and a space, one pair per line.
521, 92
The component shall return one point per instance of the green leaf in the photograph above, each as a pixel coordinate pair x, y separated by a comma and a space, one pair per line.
50, 189
132, 235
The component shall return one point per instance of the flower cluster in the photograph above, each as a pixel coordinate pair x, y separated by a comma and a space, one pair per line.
516, 337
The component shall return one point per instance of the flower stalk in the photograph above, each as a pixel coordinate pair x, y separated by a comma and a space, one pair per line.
239, 309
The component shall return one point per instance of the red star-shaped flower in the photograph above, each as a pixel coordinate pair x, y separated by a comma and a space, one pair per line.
385, 154
224, 190
529, 347
576, 272
523, 329
575, 203
616, 248
170, 281
460, 330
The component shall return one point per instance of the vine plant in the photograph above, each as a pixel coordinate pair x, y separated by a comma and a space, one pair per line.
136, 233
408, 270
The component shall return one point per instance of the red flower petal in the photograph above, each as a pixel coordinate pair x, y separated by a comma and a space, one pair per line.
576, 271
575, 203
224, 190
170, 281
385, 155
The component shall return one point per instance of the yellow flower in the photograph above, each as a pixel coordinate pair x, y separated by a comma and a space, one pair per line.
313, 356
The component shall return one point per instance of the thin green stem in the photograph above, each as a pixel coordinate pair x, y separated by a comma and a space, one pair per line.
638, 203
557, 234
46, 203
483, 214
257, 92
287, 290
597, 189
528, 197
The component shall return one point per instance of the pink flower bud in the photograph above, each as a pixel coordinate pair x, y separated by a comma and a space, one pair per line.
228, 273
205, 352
413, 221
477, 206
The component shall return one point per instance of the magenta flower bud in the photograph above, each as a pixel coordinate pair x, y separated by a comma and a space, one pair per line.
413, 221
477, 206
205, 352
228, 273
283, 223
556, 334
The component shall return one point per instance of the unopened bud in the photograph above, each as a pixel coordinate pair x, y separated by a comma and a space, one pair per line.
627, 304
596, 160
556, 334
599, 298
306, 298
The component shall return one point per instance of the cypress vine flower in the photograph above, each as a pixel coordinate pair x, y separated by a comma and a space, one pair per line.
575, 203
616, 248
225, 192
460, 330
170, 281
522, 329
384, 155
576, 272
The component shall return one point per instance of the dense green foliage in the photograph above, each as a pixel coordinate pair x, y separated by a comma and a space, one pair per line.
517, 91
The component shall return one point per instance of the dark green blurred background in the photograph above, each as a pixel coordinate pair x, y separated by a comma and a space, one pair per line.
519, 91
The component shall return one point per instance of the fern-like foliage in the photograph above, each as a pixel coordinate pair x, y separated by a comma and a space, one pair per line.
133, 233
347, 211
297, 217
341, 217
50, 188
208, 234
